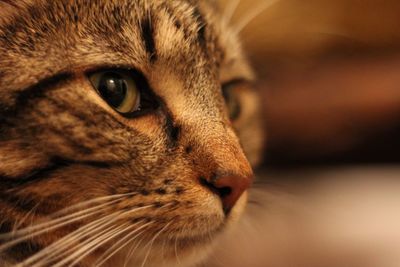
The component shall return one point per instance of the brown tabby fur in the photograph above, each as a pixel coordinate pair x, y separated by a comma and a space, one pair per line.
61, 144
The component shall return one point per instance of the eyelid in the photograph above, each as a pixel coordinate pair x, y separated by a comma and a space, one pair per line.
235, 82
106, 67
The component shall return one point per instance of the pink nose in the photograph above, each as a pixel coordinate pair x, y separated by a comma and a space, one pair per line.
228, 188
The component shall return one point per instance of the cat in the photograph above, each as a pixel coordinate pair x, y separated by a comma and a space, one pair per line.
128, 132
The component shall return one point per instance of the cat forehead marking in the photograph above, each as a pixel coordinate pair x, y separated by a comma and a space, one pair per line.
116, 24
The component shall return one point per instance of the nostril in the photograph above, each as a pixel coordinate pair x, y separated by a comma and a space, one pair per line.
221, 192
224, 191
228, 188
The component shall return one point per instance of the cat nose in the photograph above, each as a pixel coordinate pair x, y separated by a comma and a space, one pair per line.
229, 188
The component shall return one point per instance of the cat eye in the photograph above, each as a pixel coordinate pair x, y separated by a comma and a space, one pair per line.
123, 90
231, 99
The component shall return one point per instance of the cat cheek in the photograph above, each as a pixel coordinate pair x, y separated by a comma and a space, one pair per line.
249, 126
17, 163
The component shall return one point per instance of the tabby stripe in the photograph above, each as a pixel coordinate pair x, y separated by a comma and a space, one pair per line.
22, 204
72, 143
171, 128
172, 15
173, 131
27, 202
44, 173
36, 91
5, 226
148, 36
24, 250
201, 22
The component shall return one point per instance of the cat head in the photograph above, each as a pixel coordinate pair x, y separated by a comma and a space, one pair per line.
126, 126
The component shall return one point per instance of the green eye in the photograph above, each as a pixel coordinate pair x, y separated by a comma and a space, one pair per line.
118, 89
232, 100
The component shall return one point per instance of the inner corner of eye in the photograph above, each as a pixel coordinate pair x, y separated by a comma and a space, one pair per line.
94, 78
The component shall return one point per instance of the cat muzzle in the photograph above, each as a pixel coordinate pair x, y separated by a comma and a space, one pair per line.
229, 189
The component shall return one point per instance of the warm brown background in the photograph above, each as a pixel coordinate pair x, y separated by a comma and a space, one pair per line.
330, 75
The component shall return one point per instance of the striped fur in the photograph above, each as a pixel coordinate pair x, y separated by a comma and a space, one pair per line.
62, 147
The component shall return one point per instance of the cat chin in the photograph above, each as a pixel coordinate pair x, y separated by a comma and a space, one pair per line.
163, 255
177, 251
181, 251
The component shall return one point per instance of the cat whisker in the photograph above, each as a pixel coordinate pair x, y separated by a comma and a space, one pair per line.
60, 248
253, 13
120, 245
91, 201
111, 253
132, 250
163, 248
93, 244
53, 251
161, 252
28, 234
54, 258
127, 229
19, 236
256, 203
151, 242
56, 221
29, 213
176, 249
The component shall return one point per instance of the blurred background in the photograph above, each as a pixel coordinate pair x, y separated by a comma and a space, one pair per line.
329, 73
328, 193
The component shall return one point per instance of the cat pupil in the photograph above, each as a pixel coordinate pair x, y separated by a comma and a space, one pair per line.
113, 88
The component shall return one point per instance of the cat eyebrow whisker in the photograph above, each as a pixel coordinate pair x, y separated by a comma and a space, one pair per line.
252, 14
230, 10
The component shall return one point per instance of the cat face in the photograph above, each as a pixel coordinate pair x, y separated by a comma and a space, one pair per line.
125, 127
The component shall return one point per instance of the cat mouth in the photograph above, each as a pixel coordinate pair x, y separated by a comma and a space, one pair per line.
197, 239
